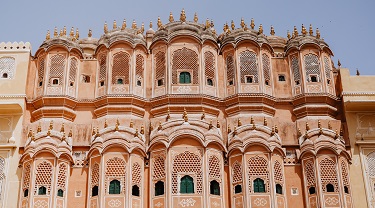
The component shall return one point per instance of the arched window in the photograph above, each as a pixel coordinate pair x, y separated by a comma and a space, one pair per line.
210, 82
120, 81
42, 190
135, 190
60, 192
187, 185
114, 187
95, 191
55, 81
185, 78
279, 189
159, 188
330, 188
215, 188
346, 189
259, 186
312, 190
26, 193
238, 189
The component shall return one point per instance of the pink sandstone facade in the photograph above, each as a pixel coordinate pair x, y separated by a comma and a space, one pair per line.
180, 116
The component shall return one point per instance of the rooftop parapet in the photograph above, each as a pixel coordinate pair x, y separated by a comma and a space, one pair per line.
15, 46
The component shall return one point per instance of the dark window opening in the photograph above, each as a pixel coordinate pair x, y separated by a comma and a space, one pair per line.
185, 78
139, 83
95, 191
297, 82
312, 190
26, 193
314, 79
187, 185
281, 78
71, 84
259, 186
114, 187
40, 83
86, 79
238, 189
328, 81
55, 81
249, 79
60, 192
102, 83
120, 81
5, 75
215, 188
42, 190
160, 82
230, 82
210, 82
135, 190
267, 82
330, 188
159, 188
346, 189
279, 189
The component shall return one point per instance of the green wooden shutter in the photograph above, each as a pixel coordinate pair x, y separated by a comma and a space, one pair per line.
261, 186
182, 77
111, 188
183, 185
187, 77
256, 187
189, 185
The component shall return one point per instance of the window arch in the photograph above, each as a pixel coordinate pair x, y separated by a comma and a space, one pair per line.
259, 186
330, 188
279, 189
56, 70
41, 72
230, 70
139, 68
73, 71
215, 188
312, 190
114, 187
209, 67
135, 190
185, 78
26, 193
266, 69
295, 69
42, 190
103, 69
187, 185
312, 67
60, 193
185, 59
95, 191
248, 67
159, 188
238, 189
160, 68
121, 68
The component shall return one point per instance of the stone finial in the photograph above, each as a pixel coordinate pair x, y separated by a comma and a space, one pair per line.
134, 25
159, 23
239, 123
171, 19
93, 132
210, 125
185, 115
295, 32
260, 29
203, 115
195, 17
32, 136
311, 33
150, 128
319, 124
329, 125
62, 129
105, 123
212, 23
90, 33
288, 35
105, 28
303, 31
242, 23
299, 133
50, 127
71, 34
114, 24
357, 73
208, 25
142, 130
338, 63
159, 127
217, 124
229, 129
136, 132
337, 134
123, 26
117, 124
131, 125
183, 16
30, 133
77, 34
64, 31
317, 33
251, 120
232, 25
307, 126
143, 28
55, 32
150, 25
272, 30
264, 121
97, 132
276, 129
49, 132
39, 129
252, 24
234, 130
168, 115
63, 138
48, 35
273, 131
61, 33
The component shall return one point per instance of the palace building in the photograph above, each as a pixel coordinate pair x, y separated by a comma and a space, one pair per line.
183, 116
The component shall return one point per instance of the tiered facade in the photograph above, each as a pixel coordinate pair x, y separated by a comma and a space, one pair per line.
183, 117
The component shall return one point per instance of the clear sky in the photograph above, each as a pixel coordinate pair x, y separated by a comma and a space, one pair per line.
347, 26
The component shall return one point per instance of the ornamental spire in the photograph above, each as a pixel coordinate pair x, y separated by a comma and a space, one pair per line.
55, 32
183, 16
195, 17
48, 35
304, 32
105, 28
171, 19
123, 26
311, 33
232, 25
159, 23
260, 29
252, 24
317, 33
242, 23
90, 33
272, 30
77, 34
114, 24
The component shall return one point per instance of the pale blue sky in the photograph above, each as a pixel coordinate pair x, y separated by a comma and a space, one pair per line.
348, 26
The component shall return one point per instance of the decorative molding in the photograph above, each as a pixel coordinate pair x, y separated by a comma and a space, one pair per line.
358, 94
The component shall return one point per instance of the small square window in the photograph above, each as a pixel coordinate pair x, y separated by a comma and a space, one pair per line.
230, 82
314, 78
281, 78
328, 81
139, 83
267, 82
210, 82
294, 191
40, 83
120, 81
86, 78
160, 82
101, 83
78, 194
297, 82
71, 84
55, 81
249, 79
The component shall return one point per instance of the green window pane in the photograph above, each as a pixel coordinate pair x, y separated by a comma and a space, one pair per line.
187, 185
114, 187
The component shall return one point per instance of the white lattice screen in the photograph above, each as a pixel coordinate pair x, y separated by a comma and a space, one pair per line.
56, 69
328, 173
214, 168
41, 71
312, 65
62, 176
266, 67
43, 176
115, 169
209, 65
327, 67
139, 66
26, 177
121, 67
371, 164
345, 173
230, 68
187, 162
160, 65
185, 59
158, 168
278, 174
73, 70
258, 168
237, 172
310, 174
248, 66
103, 67
7, 65
295, 68
95, 175
136, 174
